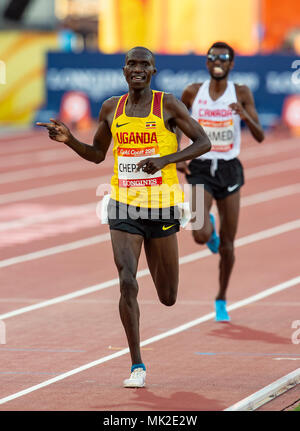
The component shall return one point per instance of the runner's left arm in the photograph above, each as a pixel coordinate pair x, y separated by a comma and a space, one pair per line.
245, 108
177, 115
187, 97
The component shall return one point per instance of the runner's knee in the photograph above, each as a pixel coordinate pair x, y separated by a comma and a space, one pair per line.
128, 285
201, 237
168, 300
167, 294
226, 249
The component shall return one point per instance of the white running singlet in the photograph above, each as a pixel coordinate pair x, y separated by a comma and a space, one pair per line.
219, 122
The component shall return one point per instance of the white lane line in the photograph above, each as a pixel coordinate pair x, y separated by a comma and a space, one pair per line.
76, 166
9, 140
254, 172
272, 168
69, 212
43, 156
13, 148
249, 239
48, 216
42, 172
48, 171
48, 155
55, 250
55, 189
270, 195
271, 149
286, 359
161, 336
267, 393
13, 145
245, 201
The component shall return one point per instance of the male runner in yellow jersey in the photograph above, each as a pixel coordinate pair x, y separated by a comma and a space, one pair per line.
142, 124
218, 105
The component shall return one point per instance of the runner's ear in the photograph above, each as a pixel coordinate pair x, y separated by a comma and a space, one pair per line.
124, 74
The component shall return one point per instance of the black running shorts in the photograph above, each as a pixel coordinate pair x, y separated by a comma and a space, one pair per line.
148, 222
226, 179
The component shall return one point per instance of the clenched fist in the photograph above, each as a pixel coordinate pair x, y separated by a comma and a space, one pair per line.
151, 165
239, 110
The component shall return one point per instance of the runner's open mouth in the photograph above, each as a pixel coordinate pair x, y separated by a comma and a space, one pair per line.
218, 70
138, 77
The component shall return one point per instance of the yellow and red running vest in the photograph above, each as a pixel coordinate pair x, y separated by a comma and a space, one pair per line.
135, 139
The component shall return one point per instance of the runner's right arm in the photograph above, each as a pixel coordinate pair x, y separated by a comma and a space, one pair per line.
96, 153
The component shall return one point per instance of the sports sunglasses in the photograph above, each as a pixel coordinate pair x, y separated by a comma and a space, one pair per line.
222, 57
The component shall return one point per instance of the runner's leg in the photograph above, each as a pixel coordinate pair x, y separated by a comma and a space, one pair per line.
162, 258
127, 249
201, 236
229, 214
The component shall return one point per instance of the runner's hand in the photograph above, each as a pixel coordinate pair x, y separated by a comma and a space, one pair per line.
151, 165
239, 110
58, 131
183, 167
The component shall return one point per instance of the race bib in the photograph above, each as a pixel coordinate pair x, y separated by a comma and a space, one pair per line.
220, 134
128, 159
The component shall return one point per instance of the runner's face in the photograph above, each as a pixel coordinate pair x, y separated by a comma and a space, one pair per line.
217, 68
139, 68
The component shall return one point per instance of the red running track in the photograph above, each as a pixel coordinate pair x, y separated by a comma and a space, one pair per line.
48, 199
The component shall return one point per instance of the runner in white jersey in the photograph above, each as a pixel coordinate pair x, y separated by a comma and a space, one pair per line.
219, 105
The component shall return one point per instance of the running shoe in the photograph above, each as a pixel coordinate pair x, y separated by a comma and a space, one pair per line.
221, 312
214, 241
136, 380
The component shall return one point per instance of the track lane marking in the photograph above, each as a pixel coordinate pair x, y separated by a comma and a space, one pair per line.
69, 211
272, 168
268, 393
251, 172
249, 239
270, 195
42, 172
79, 165
270, 147
245, 201
55, 189
44, 156
74, 245
90, 207
282, 286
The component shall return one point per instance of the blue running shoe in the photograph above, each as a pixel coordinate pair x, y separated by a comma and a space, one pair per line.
221, 312
214, 241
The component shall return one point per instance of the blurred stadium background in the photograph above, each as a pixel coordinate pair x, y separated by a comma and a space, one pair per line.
71, 52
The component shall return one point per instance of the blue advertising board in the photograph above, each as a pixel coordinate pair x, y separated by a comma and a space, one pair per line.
271, 78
